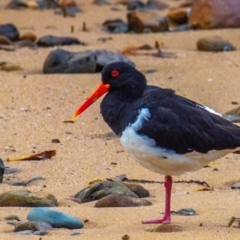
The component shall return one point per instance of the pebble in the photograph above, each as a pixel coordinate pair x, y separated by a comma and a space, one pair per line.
9, 31
4, 40
140, 22
214, 44
9, 170
150, 4
12, 217
43, 4
101, 189
178, 16
9, 67
28, 35
101, 2
135, 4
236, 186
51, 41
24, 198
115, 200
2, 170
186, 212
32, 225
139, 190
55, 218
115, 26
16, 4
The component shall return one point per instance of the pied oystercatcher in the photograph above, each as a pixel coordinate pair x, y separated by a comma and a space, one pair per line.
164, 132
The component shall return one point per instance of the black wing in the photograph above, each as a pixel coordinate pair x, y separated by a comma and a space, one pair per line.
182, 125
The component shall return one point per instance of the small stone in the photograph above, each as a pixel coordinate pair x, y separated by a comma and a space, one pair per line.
55, 140
144, 21
55, 218
9, 31
24, 198
156, 4
8, 67
38, 228
12, 217
44, 4
4, 40
186, 212
28, 35
236, 186
68, 3
9, 170
135, 4
115, 26
16, 4
101, 2
2, 170
214, 44
76, 234
101, 189
50, 41
114, 200
178, 16
166, 228
139, 190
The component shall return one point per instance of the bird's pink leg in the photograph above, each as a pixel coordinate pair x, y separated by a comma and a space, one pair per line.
167, 213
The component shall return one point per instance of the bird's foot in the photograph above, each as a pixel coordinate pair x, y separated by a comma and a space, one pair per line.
164, 220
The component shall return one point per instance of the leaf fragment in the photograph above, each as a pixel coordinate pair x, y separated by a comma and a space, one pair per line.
39, 156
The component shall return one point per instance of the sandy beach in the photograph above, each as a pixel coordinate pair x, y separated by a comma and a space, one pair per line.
33, 107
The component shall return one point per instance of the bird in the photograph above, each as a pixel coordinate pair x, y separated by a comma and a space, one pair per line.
164, 132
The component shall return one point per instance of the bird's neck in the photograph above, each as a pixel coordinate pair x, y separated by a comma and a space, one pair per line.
115, 108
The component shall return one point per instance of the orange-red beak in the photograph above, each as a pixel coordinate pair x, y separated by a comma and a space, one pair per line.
102, 89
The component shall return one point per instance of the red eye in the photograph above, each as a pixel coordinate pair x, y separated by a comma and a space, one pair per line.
115, 73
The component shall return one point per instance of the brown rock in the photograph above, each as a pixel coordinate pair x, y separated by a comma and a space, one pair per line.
147, 21
207, 14
23, 198
178, 16
4, 40
214, 44
140, 191
27, 225
114, 200
34, 226
101, 189
68, 3
8, 67
29, 36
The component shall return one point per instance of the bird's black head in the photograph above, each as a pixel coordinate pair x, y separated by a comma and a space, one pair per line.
125, 78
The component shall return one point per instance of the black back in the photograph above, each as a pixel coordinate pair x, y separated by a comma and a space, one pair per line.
175, 122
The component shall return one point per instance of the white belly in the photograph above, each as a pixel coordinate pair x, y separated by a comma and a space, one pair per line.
160, 160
